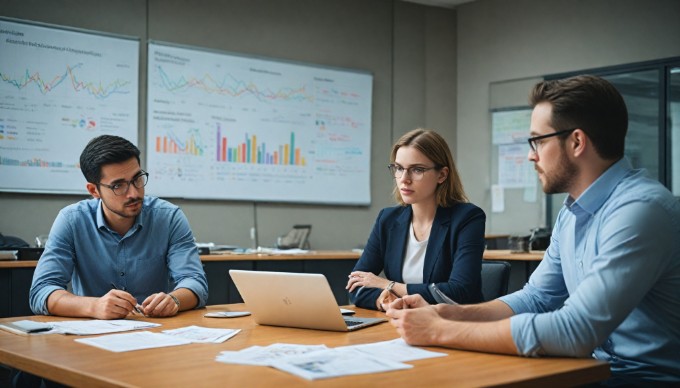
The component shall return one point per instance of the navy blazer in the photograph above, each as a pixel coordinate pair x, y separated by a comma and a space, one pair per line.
453, 259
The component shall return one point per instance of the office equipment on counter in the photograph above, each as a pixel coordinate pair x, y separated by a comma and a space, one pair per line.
30, 253
210, 247
301, 300
8, 255
298, 237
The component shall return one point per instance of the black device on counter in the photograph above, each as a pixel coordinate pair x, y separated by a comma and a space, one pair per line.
29, 253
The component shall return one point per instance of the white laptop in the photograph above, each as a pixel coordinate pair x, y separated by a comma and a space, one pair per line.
287, 299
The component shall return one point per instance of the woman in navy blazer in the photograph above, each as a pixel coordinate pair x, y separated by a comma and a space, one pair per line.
433, 236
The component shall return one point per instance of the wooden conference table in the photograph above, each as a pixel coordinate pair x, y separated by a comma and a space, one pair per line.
60, 358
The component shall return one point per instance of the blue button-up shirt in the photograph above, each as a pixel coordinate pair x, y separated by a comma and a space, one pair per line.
157, 254
609, 283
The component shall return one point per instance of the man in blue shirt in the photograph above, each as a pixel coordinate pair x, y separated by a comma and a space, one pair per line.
119, 248
608, 285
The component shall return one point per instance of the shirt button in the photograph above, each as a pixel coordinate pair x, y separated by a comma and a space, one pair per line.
122, 274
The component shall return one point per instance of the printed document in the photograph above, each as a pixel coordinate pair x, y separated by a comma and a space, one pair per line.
200, 334
99, 326
334, 363
133, 341
265, 355
395, 350
318, 361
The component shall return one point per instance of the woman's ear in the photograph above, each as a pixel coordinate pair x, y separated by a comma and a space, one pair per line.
443, 174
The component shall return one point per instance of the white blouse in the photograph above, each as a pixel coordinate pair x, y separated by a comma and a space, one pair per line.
414, 261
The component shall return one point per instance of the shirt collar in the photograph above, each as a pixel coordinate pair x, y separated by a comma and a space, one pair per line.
598, 192
101, 221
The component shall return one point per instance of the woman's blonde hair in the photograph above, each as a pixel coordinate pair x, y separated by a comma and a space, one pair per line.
432, 145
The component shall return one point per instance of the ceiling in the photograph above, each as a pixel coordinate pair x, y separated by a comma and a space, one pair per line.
441, 3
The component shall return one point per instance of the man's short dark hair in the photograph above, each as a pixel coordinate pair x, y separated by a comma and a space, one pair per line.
591, 104
105, 149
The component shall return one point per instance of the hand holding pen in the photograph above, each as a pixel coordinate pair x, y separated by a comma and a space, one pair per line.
136, 308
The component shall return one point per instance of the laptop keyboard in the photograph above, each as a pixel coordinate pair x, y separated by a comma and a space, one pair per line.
351, 323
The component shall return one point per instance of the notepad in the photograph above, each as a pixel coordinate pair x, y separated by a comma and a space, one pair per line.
26, 327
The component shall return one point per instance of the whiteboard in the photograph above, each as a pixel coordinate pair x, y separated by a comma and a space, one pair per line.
59, 88
229, 126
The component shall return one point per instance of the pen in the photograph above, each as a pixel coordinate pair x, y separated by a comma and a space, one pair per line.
39, 329
136, 307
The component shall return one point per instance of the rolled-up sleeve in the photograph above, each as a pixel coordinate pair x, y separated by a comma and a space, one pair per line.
184, 262
55, 266
633, 239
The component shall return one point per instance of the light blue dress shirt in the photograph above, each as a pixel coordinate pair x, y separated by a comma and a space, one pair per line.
609, 283
157, 254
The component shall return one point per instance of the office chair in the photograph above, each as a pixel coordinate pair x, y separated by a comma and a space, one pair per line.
495, 278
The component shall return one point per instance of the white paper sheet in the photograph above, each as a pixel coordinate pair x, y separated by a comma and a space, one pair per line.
133, 341
98, 326
395, 350
334, 363
265, 356
200, 334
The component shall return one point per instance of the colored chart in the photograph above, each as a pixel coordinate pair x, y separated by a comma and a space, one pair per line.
228, 126
59, 88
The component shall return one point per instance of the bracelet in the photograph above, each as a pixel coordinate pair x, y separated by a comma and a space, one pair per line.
390, 290
174, 298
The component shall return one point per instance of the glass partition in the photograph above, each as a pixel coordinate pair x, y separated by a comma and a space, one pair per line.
674, 129
651, 91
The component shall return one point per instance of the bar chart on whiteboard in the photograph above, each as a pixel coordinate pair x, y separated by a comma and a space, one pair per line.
227, 126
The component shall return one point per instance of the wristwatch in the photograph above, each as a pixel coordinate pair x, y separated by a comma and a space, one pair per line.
390, 287
174, 298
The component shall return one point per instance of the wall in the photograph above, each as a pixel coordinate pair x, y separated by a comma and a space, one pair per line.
433, 67
409, 48
500, 41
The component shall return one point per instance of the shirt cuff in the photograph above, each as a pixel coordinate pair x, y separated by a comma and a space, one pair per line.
524, 334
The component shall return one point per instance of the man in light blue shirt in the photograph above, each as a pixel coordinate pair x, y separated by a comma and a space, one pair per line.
609, 283
123, 252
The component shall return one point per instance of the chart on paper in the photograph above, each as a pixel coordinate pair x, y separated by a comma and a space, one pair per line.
226, 126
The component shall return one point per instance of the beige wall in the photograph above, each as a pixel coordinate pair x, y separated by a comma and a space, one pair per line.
409, 49
504, 40
432, 67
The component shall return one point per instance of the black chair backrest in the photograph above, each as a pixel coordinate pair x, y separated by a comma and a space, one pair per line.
495, 278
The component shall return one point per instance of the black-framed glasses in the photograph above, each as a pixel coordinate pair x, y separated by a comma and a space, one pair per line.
121, 188
416, 173
534, 142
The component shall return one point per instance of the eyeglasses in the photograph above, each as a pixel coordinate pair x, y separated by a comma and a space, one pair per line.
534, 142
121, 188
416, 173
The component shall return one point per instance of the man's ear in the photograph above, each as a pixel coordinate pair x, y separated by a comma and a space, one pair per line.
580, 140
92, 189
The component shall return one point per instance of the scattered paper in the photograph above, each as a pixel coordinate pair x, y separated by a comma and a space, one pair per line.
395, 350
265, 356
328, 363
99, 326
133, 341
319, 362
200, 334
